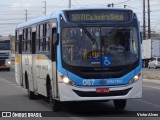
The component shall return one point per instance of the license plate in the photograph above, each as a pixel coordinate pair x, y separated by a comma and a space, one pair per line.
102, 90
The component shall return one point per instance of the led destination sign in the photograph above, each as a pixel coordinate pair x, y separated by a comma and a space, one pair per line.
98, 16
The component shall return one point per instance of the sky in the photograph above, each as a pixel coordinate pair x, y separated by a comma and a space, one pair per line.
12, 12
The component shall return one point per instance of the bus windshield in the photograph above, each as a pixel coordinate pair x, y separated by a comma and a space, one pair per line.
99, 46
5, 45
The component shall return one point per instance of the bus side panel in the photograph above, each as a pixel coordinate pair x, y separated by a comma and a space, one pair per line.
25, 69
29, 72
34, 71
44, 65
18, 72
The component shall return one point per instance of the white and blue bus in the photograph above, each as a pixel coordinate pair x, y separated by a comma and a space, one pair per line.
81, 55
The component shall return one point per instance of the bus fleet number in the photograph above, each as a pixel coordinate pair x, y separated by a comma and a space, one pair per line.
88, 82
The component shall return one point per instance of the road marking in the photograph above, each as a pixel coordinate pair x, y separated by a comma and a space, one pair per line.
148, 103
151, 87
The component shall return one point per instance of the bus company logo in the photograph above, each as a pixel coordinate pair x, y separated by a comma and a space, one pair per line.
6, 114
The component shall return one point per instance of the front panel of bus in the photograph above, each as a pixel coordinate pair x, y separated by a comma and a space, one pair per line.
99, 55
5, 54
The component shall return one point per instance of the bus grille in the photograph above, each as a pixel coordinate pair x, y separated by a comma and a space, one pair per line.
94, 94
3, 58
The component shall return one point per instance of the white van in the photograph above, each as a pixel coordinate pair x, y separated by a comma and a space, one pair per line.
154, 63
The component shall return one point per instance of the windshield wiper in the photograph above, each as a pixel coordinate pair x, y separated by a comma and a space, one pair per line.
88, 34
109, 35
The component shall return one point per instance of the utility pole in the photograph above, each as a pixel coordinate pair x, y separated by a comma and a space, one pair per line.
45, 8
144, 20
149, 25
26, 14
69, 5
112, 5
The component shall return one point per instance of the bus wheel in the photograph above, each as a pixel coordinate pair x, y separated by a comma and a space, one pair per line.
56, 105
31, 94
120, 104
49, 93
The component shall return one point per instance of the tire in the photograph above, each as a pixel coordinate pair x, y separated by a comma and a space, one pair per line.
149, 67
49, 93
120, 104
144, 64
155, 67
31, 94
55, 104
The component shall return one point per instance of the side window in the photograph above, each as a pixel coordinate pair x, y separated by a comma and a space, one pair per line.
28, 40
41, 38
54, 39
44, 36
17, 42
47, 37
54, 34
24, 41
38, 38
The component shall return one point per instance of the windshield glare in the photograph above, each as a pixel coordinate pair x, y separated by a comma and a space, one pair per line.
4, 46
97, 47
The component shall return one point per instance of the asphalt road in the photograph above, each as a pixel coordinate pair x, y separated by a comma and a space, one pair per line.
14, 98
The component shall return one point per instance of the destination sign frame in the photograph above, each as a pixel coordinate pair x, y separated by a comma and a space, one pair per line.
88, 16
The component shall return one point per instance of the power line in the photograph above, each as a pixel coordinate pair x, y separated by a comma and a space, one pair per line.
122, 2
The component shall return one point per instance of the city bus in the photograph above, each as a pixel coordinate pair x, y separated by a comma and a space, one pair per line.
5, 53
81, 55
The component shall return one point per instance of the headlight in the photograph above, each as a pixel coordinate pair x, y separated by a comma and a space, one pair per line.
135, 78
9, 62
66, 80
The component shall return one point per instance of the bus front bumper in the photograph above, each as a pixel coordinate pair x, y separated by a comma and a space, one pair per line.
80, 93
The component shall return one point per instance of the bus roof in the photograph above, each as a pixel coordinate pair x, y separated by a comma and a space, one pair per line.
55, 15
4, 38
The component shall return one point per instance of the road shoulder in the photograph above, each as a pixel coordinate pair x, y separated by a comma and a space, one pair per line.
152, 81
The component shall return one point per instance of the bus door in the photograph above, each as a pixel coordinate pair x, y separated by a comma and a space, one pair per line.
20, 65
18, 59
54, 57
34, 66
